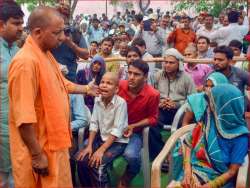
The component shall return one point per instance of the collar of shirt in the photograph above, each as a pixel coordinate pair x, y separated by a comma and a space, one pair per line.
112, 102
187, 68
6, 44
141, 93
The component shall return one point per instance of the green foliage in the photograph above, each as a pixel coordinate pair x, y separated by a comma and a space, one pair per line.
34, 3
213, 7
114, 2
183, 5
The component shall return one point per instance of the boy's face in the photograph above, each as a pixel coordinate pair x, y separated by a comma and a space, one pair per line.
108, 86
236, 51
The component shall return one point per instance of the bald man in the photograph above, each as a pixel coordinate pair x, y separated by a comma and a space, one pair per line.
39, 106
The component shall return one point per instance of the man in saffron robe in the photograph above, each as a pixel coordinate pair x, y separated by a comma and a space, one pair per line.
39, 106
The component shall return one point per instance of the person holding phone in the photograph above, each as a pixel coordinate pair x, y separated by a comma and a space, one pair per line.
152, 35
182, 36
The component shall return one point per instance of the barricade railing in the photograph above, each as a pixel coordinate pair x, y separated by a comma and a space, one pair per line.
161, 59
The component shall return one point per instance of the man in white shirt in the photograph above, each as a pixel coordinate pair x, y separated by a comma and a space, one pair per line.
207, 29
233, 31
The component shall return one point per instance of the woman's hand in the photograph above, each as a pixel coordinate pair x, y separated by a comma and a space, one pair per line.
187, 180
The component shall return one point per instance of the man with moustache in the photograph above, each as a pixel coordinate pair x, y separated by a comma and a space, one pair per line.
39, 117
11, 21
142, 101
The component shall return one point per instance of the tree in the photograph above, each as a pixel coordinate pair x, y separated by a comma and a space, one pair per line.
34, 3
214, 7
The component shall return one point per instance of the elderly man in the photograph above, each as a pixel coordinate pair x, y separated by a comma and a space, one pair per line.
11, 21
39, 117
174, 86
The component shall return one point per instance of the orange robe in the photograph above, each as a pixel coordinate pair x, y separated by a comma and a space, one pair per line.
27, 106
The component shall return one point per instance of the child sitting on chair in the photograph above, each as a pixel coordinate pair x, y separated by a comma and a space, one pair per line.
105, 142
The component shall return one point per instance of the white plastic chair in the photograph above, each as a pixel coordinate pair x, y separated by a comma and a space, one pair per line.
156, 166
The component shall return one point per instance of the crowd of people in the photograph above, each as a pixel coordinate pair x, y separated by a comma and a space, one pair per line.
58, 76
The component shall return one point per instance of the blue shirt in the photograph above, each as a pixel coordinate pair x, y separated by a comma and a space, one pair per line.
6, 54
239, 78
79, 112
66, 56
95, 34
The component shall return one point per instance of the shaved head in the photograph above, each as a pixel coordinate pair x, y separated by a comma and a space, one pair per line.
113, 76
42, 17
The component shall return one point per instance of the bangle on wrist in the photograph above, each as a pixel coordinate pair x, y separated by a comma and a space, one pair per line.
87, 89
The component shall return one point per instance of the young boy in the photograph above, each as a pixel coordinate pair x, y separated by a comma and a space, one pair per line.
105, 143
237, 46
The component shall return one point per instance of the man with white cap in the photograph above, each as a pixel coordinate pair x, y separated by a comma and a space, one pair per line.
174, 86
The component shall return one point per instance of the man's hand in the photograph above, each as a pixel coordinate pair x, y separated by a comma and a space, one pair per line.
93, 89
40, 164
68, 40
96, 159
129, 131
167, 104
82, 153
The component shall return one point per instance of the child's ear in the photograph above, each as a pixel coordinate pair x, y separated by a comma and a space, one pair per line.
116, 89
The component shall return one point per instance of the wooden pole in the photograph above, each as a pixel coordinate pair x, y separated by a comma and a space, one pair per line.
161, 59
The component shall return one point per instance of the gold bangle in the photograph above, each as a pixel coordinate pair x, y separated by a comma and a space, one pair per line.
186, 160
87, 89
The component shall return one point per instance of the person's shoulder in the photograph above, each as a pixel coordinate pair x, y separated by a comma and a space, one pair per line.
123, 84
238, 71
151, 91
186, 77
24, 58
120, 100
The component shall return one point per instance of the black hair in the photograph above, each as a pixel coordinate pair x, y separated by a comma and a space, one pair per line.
141, 65
109, 39
134, 49
138, 18
210, 15
138, 41
185, 17
203, 37
225, 50
233, 16
10, 9
236, 44
95, 42
166, 16
95, 20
